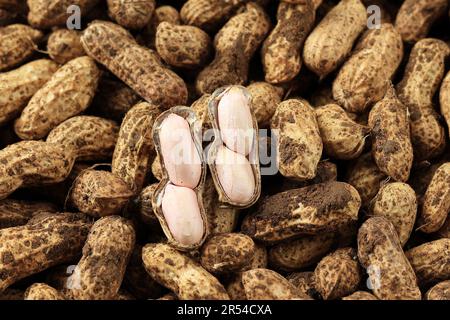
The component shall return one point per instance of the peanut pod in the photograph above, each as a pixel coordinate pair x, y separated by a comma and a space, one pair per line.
64, 45
265, 284
47, 240
365, 77
234, 45
423, 75
134, 148
33, 163
415, 18
342, 137
178, 199
68, 93
233, 156
397, 202
45, 14
281, 51
340, 264
311, 210
99, 193
331, 41
431, 261
227, 252
185, 277
19, 42
100, 271
139, 67
391, 139
131, 14
42, 291
381, 254
90, 138
299, 144
19, 85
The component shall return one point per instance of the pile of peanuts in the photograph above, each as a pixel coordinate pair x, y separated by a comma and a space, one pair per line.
133, 160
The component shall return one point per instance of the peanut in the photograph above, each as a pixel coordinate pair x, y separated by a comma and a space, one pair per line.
134, 147
15, 213
182, 46
90, 138
396, 202
64, 45
42, 291
227, 252
342, 137
391, 146
233, 156
45, 14
99, 193
19, 85
332, 39
311, 210
281, 51
265, 284
47, 240
139, 67
234, 44
19, 42
300, 253
68, 93
441, 291
430, 261
299, 144
381, 254
177, 200
416, 17
33, 163
423, 74
131, 14
436, 205
185, 277
100, 271
341, 264
365, 77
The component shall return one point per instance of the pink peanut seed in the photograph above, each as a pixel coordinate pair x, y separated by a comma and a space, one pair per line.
235, 121
180, 155
235, 174
182, 214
